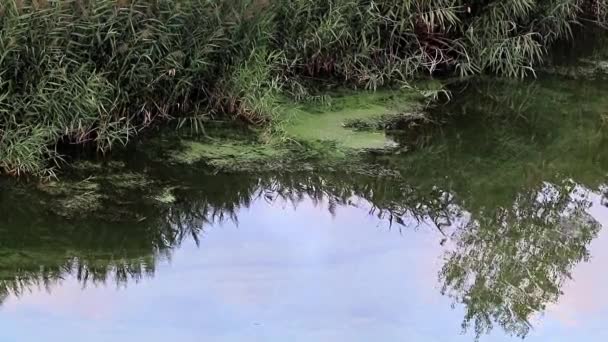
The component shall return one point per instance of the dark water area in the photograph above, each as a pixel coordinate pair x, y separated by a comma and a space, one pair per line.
494, 230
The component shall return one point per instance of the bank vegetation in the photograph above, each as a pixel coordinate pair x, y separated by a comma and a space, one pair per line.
99, 72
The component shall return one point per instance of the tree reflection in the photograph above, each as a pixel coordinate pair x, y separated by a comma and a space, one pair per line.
504, 264
493, 189
39, 249
509, 263
512, 161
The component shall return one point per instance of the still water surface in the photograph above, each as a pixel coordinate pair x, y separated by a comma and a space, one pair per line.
497, 225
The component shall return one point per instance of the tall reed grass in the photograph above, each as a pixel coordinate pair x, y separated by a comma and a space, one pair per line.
99, 71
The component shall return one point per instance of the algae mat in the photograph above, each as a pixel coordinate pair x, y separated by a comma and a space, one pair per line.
350, 123
329, 126
318, 123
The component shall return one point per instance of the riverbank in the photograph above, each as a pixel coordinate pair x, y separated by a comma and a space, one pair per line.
101, 73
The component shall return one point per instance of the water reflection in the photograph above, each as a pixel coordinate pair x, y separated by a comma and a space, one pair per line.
510, 263
510, 210
504, 264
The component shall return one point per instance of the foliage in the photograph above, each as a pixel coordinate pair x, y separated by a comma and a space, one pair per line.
100, 71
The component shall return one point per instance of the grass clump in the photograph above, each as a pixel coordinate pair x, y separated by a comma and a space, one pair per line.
98, 72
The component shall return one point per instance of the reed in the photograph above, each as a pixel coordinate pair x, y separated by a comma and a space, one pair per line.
98, 72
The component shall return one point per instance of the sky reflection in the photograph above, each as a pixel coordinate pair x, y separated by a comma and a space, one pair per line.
295, 275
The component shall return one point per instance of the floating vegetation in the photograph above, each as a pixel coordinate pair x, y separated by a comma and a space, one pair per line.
226, 154
166, 197
71, 198
128, 180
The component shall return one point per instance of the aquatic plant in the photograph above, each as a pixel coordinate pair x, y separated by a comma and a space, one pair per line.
97, 72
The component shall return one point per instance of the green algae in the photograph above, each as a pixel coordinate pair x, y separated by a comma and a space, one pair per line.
166, 196
331, 127
310, 135
86, 165
313, 137
69, 198
97, 189
194, 151
334, 122
226, 154
585, 68
129, 180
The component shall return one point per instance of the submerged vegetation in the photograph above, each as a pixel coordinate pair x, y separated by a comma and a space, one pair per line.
97, 72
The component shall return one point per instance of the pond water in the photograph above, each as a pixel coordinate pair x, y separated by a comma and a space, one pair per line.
495, 230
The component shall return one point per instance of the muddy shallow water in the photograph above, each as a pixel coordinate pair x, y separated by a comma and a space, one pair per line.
495, 229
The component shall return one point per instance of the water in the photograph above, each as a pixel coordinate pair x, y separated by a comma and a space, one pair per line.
497, 223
